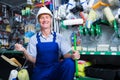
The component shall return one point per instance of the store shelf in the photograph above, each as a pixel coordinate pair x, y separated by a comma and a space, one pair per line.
99, 53
13, 3
88, 78
10, 52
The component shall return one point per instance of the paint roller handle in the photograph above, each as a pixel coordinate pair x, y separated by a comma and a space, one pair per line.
43, 1
76, 62
116, 28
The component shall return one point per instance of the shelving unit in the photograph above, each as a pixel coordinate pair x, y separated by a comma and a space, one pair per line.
10, 52
90, 42
14, 3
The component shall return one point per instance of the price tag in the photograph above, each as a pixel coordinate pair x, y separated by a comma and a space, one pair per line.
113, 53
92, 53
102, 53
83, 53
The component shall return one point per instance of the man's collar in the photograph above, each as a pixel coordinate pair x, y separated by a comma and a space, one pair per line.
40, 33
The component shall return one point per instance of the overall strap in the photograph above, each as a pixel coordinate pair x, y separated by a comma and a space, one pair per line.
38, 37
54, 36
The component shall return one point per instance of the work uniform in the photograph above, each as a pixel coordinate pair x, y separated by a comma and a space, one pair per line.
48, 66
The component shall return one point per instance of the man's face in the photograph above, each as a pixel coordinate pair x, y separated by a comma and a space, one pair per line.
45, 21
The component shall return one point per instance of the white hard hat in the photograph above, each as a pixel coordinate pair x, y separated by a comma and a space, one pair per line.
43, 10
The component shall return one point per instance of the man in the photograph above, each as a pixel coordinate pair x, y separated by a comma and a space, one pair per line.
44, 50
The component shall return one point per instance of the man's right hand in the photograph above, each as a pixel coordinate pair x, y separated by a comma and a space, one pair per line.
19, 47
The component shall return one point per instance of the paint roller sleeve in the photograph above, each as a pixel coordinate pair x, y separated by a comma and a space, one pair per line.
73, 22
108, 13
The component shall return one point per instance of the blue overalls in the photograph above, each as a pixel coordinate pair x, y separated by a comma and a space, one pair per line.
48, 66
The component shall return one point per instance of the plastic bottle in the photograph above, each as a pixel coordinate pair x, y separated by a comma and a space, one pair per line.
13, 75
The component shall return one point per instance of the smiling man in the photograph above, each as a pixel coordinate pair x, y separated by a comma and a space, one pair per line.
44, 50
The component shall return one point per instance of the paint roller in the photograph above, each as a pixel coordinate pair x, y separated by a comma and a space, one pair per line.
16, 61
108, 13
92, 16
72, 22
11, 61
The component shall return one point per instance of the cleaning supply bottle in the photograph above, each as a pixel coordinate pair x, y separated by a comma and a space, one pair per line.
13, 75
